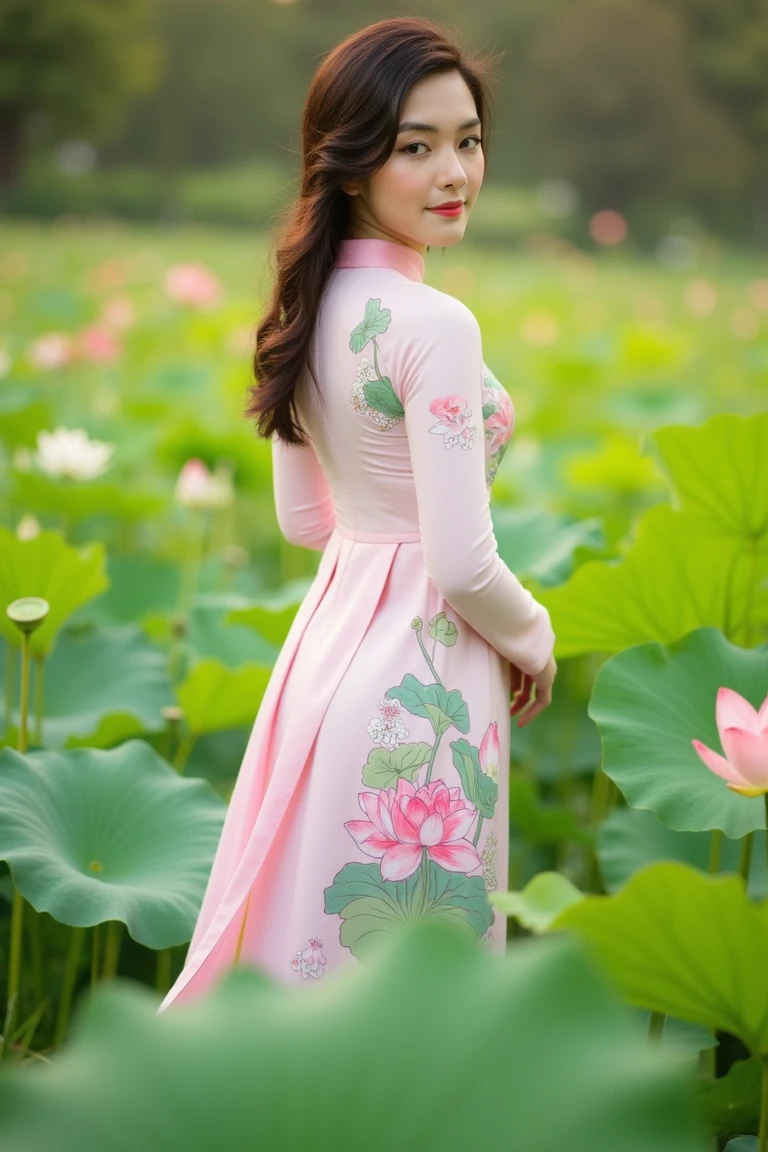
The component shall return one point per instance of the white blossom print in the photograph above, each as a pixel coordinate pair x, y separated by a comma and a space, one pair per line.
310, 961
388, 730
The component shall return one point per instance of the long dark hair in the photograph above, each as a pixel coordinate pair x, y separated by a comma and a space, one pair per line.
348, 129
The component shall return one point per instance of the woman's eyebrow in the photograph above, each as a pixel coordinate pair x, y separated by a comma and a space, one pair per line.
416, 126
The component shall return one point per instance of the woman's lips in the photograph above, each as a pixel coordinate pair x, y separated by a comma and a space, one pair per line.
456, 211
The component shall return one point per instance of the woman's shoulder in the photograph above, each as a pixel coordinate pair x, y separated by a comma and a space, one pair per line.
424, 304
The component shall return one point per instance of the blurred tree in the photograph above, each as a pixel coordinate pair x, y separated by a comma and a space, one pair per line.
73, 63
611, 104
730, 45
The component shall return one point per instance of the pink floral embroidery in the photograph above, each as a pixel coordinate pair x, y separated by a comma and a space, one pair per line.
455, 423
404, 820
501, 422
310, 961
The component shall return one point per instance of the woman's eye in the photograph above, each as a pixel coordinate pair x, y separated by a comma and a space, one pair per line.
421, 144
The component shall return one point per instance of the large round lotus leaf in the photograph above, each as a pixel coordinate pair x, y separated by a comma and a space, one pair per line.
650, 702
614, 466
437, 1046
94, 835
676, 576
214, 633
718, 470
47, 566
630, 838
731, 1103
681, 942
102, 687
138, 585
214, 697
542, 544
22, 415
272, 615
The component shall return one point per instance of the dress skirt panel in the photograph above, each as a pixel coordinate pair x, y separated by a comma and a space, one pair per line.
374, 787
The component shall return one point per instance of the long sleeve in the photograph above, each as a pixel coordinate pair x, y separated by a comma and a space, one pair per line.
437, 373
303, 500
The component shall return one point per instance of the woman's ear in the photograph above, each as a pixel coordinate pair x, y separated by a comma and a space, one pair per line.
350, 188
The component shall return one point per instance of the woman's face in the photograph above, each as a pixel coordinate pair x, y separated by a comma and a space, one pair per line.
442, 160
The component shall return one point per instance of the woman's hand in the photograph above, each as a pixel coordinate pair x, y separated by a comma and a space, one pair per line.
522, 684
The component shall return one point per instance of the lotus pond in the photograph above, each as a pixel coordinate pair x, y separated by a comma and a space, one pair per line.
146, 591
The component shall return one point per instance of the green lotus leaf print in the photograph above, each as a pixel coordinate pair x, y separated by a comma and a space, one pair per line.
480, 788
383, 767
372, 908
372, 394
375, 322
433, 701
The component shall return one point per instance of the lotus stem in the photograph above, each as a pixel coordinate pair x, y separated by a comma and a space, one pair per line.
10, 684
183, 753
163, 971
32, 921
112, 949
746, 856
477, 830
24, 700
95, 956
714, 850
39, 667
14, 965
656, 1027
68, 984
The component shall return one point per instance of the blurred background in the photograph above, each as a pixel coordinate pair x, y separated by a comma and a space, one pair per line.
187, 111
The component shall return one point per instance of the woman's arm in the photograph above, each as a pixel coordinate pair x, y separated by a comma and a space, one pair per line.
439, 378
303, 499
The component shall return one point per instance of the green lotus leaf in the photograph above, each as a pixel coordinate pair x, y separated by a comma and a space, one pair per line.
94, 835
372, 908
650, 702
47, 566
212, 632
384, 767
542, 823
684, 943
272, 615
629, 838
540, 544
718, 471
375, 321
215, 697
731, 1104
539, 902
92, 677
675, 577
22, 415
232, 1070
742, 1144
138, 585
80, 499
614, 465
382, 397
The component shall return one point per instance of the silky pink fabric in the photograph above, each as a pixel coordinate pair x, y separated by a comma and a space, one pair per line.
388, 706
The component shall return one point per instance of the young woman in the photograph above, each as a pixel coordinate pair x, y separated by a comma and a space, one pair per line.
374, 788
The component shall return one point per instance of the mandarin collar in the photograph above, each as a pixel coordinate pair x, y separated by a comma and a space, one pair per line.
375, 253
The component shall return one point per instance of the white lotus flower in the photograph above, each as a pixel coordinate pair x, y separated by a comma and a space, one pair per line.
69, 452
27, 528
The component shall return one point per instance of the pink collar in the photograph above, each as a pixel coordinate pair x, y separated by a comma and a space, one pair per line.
370, 253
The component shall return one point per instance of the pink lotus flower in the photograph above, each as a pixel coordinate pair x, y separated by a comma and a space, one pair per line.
500, 423
744, 737
192, 284
405, 820
489, 753
453, 413
118, 313
97, 344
